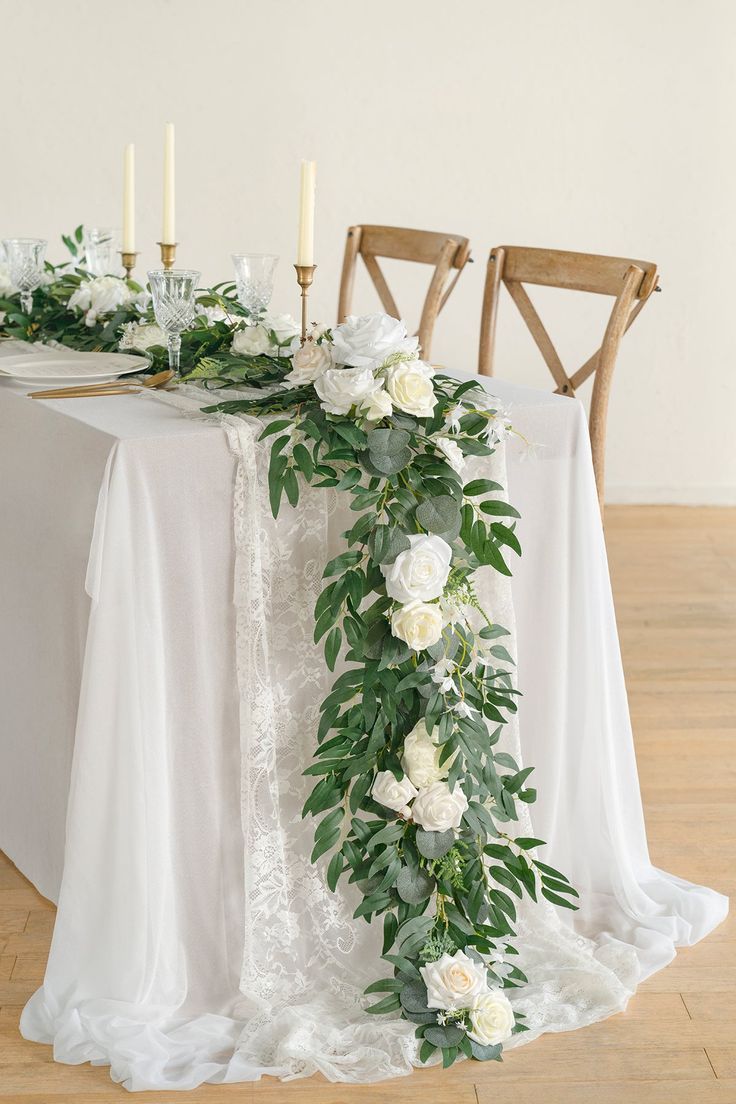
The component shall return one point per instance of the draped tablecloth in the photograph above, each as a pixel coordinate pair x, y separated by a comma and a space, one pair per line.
159, 694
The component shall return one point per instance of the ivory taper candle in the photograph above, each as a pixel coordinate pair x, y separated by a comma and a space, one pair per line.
305, 247
128, 242
168, 232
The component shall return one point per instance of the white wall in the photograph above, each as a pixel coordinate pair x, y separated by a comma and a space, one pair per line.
601, 125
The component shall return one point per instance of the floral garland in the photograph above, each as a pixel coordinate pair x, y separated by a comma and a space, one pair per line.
410, 793
411, 796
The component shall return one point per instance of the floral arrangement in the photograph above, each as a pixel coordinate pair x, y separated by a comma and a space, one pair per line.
413, 801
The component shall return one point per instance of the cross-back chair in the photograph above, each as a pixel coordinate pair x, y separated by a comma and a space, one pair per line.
444, 252
629, 282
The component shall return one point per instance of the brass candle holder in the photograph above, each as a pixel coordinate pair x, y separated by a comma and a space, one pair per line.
304, 277
128, 260
168, 253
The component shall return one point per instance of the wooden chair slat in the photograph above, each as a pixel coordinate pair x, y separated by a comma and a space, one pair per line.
629, 282
445, 252
576, 271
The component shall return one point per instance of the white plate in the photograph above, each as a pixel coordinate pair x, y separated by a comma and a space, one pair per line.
70, 367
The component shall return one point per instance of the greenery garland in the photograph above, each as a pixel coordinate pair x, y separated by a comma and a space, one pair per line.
413, 802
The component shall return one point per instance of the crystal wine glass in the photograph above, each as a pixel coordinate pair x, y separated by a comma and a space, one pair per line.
254, 274
173, 292
101, 251
25, 263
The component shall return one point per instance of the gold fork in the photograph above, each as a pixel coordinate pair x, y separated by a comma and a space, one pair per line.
95, 390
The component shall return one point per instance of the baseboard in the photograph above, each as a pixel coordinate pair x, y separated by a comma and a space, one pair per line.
707, 495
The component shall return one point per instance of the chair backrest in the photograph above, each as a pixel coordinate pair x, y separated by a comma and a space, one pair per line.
444, 252
629, 282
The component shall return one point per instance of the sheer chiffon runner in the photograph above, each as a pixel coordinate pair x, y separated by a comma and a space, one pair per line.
177, 962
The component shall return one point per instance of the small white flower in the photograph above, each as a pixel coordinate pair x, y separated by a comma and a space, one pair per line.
308, 363
418, 624
452, 452
340, 389
491, 1018
454, 981
393, 792
409, 383
462, 709
377, 405
368, 341
452, 419
442, 669
251, 341
420, 571
439, 808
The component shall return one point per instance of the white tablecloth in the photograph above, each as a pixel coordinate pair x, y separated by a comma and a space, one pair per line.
163, 959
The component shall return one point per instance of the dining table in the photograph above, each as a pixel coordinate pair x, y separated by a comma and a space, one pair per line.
160, 689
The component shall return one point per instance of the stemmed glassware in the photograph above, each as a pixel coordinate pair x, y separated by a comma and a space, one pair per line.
173, 292
101, 251
254, 273
25, 264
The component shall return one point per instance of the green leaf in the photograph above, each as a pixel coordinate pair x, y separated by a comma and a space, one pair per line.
440, 515
426, 1051
388, 1004
332, 647
499, 509
556, 900
414, 886
485, 1053
414, 996
334, 870
341, 563
433, 845
447, 1036
480, 486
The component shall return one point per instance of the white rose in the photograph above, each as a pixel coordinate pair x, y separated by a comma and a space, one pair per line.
141, 336
410, 386
421, 758
392, 792
491, 1018
252, 341
343, 388
419, 625
420, 571
6, 284
285, 330
438, 807
452, 452
378, 405
102, 295
368, 341
308, 363
211, 315
454, 981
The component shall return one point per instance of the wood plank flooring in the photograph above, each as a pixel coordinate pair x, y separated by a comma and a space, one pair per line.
674, 579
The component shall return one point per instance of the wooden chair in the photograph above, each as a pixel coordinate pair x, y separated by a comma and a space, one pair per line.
444, 251
629, 282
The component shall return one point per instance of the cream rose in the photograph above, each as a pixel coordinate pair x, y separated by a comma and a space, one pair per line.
418, 624
420, 571
454, 981
392, 792
368, 341
438, 807
308, 363
252, 341
102, 295
491, 1018
409, 384
452, 453
340, 389
421, 758
378, 405
140, 336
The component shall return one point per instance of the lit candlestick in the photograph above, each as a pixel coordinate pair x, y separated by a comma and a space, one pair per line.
168, 233
129, 199
305, 248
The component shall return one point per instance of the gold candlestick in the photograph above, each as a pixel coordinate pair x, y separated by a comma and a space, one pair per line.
304, 277
168, 253
128, 260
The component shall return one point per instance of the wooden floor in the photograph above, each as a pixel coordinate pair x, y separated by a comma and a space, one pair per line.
674, 578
